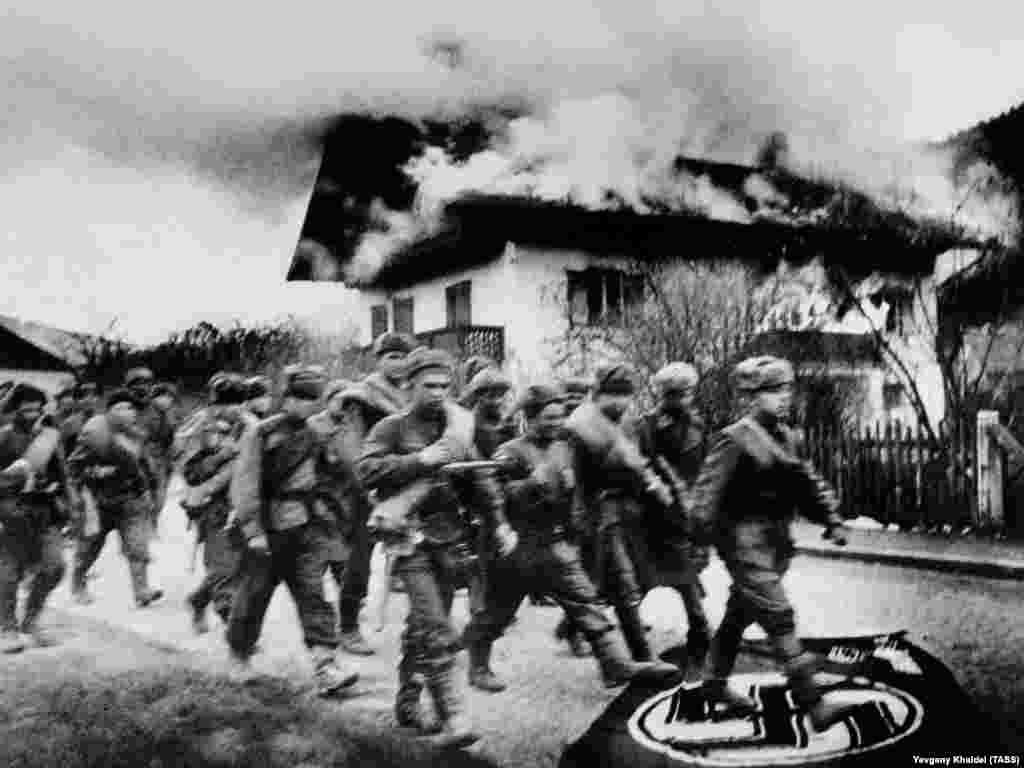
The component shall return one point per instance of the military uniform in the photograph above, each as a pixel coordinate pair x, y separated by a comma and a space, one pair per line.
113, 469
748, 491
617, 483
429, 538
540, 493
208, 506
273, 491
32, 513
674, 444
159, 427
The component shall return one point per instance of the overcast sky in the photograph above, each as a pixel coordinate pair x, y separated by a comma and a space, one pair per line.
156, 161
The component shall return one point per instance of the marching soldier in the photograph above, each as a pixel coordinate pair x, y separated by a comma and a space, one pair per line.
540, 493
617, 483
207, 503
421, 513
745, 498
340, 431
31, 516
387, 385
110, 470
160, 422
286, 535
672, 437
225, 392
577, 390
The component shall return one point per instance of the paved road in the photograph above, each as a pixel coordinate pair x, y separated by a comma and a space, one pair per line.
975, 625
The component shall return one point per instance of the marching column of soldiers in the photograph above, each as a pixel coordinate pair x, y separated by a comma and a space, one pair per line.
571, 497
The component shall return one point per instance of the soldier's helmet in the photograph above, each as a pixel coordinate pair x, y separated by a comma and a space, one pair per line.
305, 382
136, 377
258, 386
765, 372
675, 377
615, 379
228, 389
489, 379
393, 342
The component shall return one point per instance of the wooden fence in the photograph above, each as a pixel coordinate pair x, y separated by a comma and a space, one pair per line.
900, 476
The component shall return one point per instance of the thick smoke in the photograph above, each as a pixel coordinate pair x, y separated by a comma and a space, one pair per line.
602, 95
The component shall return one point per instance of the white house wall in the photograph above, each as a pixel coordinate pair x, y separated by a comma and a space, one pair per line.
524, 291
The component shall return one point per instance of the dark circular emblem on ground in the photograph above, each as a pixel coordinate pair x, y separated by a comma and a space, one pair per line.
906, 702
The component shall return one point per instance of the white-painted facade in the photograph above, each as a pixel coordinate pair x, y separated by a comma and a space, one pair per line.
525, 292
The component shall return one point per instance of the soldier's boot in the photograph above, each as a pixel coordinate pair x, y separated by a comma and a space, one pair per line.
352, 641
691, 655
634, 631
717, 691
456, 731
618, 669
408, 709
331, 678
11, 641
822, 713
41, 588
480, 674
568, 632
144, 595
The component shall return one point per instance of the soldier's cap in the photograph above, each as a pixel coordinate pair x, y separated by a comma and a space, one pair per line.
85, 389
675, 377
390, 341
228, 389
765, 372
488, 380
136, 376
336, 387
474, 365
305, 382
258, 386
615, 379
22, 393
165, 388
425, 359
537, 397
577, 385
124, 396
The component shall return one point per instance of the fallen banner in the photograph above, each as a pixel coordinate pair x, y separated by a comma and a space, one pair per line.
907, 703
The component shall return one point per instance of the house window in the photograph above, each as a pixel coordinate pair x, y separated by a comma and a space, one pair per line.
892, 395
602, 295
403, 315
457, 304
378, 320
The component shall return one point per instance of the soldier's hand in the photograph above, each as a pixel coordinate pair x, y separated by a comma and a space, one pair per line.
259, 545
508, 539
436, 455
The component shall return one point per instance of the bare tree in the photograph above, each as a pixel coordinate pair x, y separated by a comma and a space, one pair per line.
708, 313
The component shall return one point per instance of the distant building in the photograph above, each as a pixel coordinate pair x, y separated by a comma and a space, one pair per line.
38, 355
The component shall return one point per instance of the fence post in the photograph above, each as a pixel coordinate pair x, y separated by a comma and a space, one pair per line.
989, 473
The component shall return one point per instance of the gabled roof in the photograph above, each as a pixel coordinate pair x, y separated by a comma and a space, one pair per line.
842, 226
50, 348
